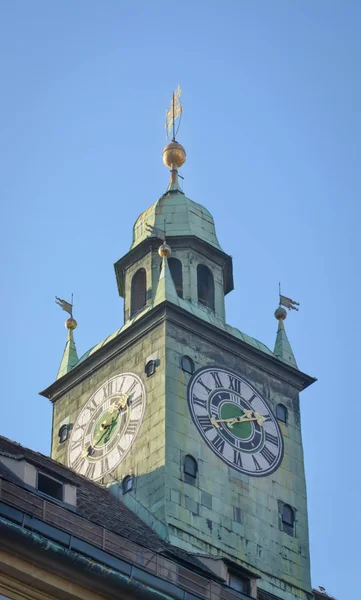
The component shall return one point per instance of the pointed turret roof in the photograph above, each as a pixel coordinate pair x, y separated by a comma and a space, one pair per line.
70, 355
282, 349
166, 288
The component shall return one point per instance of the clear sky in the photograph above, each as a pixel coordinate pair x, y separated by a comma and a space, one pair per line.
272, 130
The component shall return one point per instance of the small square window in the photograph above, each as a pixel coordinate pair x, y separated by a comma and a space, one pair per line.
50, 487
187, 364
288, 519
281, 413
238, 583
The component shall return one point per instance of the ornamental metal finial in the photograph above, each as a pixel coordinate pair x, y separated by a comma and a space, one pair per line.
71, 323
174, 155
173, 113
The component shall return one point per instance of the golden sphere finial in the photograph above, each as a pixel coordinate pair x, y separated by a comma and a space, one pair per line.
71, 324
174, 155
280, 313
164, 250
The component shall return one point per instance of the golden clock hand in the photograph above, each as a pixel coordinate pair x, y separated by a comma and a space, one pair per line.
243, 419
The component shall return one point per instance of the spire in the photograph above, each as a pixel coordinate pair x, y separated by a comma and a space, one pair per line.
166, 288
70, 356
282, 348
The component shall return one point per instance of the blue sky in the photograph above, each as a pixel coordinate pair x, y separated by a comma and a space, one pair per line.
272, 129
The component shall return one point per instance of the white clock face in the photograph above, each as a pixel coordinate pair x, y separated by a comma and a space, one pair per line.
235, 421
107, 426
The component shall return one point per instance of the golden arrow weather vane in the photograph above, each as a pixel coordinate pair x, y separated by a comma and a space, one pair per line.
173, 113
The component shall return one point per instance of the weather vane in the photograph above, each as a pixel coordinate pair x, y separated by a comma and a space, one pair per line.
173, 113
68, 307
287, 302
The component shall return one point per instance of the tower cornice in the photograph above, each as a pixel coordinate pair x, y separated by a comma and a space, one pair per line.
168, 312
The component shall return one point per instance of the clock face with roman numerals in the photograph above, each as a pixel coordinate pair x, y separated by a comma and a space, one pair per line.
235, 421
107, 426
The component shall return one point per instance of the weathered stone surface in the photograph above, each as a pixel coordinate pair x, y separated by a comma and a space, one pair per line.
224, 513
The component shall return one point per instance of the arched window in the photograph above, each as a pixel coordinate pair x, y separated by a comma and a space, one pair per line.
187, 364
63, 433
138, 291
127, 484
288, 519
190, 469
150, 368
281, 413
205, 285
175, 267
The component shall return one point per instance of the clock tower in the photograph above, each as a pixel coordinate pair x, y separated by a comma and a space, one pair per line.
187, 420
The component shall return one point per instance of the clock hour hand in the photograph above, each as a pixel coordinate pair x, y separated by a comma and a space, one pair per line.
245, 418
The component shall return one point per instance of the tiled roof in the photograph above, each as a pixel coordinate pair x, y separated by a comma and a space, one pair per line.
97, 504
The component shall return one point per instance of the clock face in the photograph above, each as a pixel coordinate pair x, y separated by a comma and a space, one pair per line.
107, 426
235, 421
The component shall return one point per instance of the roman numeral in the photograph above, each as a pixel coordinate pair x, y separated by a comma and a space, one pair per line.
234, 384
271, 438
216, 378
78, 463
105, 464
120, 386
256, 464
267, 455
120, 450
205, 423
199, 401
137, 401
131, 388
218, 443
132, 426
237, 458
204, 385
76, 444
93, 404
107, 389
90, 470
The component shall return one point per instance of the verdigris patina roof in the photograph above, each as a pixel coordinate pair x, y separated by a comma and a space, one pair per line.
177, 215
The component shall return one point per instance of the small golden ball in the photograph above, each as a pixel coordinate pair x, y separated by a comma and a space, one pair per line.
164, 250
280, 313
71, 323
174, 154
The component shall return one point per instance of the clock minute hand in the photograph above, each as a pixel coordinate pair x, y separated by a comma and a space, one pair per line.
244, 419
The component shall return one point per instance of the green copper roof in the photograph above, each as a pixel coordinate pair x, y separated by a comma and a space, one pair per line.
166, 291
166, 288
282, 348
70, 356
176, 214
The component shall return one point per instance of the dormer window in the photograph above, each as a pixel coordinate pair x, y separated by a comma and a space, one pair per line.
127, 484
205, 286
239, 583
50, 487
